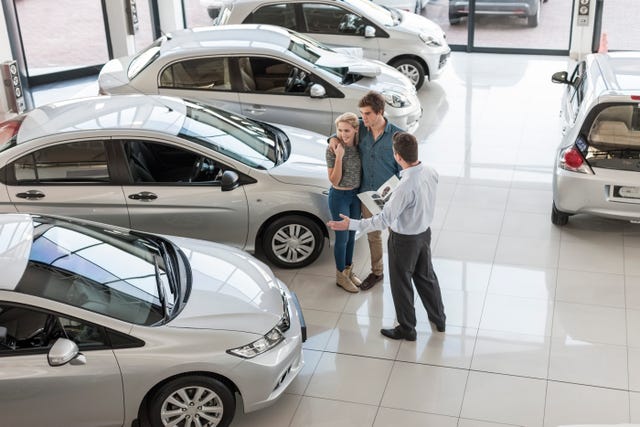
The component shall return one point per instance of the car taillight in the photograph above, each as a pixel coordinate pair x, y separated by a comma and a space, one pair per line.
635, 97
9, 129
571, 159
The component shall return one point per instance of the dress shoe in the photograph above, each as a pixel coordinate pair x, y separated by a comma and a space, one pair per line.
398, 334
440, 327
370, 281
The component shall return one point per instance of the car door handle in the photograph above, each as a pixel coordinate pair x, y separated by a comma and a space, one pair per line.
144, 196
256, 109
31, 195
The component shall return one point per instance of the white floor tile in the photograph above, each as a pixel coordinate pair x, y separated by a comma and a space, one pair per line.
425, 388
632, 291
631, 257
460, 275
633, 328
527, 251
532, 201
278, 415
463, 422
487, 221
461, 308
300, 383
375, 302
633, 358
634, 403
523, 281
589, 323
588, 363
350, 378
592, 255
513, 354
360, 335
529, 225
466, 246
504, 399
320, 325
319, 292
578, 404
478, 196
584, 287
452, 349
395, 417
517, 315
313, 412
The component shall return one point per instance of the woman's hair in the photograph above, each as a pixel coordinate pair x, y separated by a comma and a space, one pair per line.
352, 119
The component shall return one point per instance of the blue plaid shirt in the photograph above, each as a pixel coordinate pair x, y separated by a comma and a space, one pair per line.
376, 156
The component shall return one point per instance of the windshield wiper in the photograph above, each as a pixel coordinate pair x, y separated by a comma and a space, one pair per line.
161, 293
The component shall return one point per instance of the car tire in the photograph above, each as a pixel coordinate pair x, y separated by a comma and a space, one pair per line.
558, 217
534, 20
217, 402
292, 241
412, 69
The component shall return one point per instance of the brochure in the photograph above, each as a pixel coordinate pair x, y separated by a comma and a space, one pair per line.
375, 200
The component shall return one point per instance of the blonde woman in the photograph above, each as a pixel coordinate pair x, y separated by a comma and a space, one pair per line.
344, 169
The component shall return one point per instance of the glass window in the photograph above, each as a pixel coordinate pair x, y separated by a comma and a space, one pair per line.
27, 329
329, 19
75, 35
281, 14
200, 13
73, 162
261, 74
201, 73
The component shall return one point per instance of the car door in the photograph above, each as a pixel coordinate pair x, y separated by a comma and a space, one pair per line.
573, 96
207, 79
174, 190
278, 91
85, 392
73, 178
338, 26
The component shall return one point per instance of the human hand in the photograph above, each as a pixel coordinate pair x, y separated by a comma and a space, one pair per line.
340, 225
339, 151
333, 143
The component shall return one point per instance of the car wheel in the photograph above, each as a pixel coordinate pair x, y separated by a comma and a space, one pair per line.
412, 69
558, 217
533, 20
292, 241
190, 401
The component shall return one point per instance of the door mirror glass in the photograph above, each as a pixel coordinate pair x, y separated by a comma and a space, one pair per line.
369, 31
230, 181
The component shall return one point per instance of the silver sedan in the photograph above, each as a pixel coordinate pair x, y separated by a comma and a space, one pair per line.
167, 166
100, 325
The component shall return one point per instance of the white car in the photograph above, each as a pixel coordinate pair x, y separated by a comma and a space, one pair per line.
101, 325
264, 72
414, 45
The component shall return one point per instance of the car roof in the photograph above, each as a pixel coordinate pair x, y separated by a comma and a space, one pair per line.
228, 36
621, 71
154, 113
16, 234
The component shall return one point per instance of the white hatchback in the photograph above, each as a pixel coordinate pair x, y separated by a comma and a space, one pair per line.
414, 45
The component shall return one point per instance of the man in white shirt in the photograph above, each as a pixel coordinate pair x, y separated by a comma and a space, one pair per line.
408, 214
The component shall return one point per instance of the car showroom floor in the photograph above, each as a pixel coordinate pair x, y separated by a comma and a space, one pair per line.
543, 323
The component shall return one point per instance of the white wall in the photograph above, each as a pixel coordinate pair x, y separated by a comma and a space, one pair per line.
582, 36
5, 55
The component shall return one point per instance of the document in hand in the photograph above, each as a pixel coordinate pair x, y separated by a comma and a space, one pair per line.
375, 200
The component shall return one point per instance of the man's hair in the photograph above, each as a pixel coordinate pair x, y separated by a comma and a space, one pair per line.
406, 145
374, 100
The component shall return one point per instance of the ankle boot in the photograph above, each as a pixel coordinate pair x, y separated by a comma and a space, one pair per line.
349, 272
342, 280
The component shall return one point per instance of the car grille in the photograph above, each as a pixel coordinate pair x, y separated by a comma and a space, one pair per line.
443, 59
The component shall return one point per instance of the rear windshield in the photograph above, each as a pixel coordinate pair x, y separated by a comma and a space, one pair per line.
614, 138
145, 57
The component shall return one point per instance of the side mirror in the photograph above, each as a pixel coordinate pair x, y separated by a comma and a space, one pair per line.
560, 77
64, 351
369, 31
230, 181
317, 91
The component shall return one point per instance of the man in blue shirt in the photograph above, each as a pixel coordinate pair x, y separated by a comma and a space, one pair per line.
408, 214
378, 165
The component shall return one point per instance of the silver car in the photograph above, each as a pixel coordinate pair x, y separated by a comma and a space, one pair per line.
263, 72
413, 44
168, 166
100, 325
597, 167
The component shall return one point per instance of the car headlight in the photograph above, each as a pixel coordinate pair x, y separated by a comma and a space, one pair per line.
395, 99
430, 40
259, 346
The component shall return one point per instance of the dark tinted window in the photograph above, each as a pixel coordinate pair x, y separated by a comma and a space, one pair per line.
329, 19
201, 73
84, 161
282, 15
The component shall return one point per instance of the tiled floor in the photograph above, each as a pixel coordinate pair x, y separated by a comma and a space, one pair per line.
543, 323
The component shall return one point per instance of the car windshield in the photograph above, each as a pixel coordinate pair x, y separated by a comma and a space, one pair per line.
239, 138
145, 57
128, 276
311, 51
375, 12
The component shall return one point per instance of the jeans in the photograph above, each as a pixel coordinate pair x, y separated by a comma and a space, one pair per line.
344, 202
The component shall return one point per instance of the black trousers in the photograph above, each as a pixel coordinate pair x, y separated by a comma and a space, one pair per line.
410, 258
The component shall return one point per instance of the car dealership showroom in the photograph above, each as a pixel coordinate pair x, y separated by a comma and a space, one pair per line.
164, 176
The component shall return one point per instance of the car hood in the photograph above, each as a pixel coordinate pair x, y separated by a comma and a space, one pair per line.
306, 164
114, 74
231, 290
413, 23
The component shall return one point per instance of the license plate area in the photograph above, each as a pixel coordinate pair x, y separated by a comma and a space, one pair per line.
624, 193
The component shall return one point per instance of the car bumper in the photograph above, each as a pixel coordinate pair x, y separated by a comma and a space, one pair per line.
436, 60
407, 118
597, 194
263, 379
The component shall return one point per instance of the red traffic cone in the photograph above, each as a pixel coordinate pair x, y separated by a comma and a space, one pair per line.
604, 44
